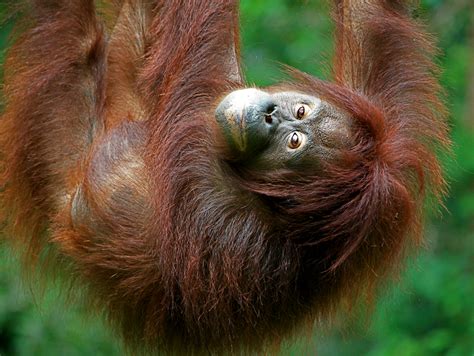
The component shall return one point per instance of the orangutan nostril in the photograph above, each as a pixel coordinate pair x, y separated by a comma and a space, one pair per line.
270, 110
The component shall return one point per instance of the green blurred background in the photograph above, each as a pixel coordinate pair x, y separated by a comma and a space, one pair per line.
431, 310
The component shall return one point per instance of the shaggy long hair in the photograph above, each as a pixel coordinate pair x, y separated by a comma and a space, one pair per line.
112, 166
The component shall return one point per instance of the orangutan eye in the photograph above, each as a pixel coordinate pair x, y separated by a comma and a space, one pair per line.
295, 140
301, 111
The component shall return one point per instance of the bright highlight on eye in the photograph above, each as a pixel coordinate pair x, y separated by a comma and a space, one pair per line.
295, 140
301, 111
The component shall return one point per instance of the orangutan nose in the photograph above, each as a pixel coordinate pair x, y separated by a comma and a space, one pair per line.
247, 119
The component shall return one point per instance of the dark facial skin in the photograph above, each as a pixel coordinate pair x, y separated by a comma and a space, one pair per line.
282, 129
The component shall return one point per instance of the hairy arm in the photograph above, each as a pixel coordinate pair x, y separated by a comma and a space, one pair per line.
193, 50
385, 63
384, 54
54, 93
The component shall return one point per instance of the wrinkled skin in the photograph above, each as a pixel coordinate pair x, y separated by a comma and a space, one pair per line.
282, 129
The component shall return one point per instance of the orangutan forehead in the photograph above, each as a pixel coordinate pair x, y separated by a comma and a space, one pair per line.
296, 97
242, 96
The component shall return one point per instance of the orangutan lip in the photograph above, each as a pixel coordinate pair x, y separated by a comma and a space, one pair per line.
246, 117
237, 125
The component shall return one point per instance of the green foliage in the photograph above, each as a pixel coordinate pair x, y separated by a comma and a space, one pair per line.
297, 33
431, 312
33, 325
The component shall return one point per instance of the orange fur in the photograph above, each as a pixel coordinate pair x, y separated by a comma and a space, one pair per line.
111, 164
